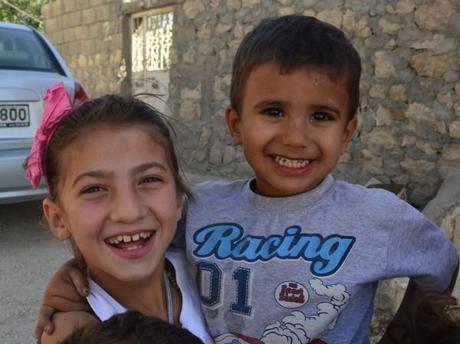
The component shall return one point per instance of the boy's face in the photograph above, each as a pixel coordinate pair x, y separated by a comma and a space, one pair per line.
293, 127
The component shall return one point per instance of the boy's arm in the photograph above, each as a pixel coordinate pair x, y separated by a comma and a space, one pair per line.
66, 323
65, 292
400, 329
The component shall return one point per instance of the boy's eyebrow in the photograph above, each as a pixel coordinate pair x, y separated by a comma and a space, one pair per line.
279, 103
106, 174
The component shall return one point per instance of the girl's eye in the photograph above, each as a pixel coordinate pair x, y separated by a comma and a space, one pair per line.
150, 180
273, 112
92, 189
321, 116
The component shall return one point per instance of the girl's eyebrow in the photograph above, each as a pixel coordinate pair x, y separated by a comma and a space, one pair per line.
102, 174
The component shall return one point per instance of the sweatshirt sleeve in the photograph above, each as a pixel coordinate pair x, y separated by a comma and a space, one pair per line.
419, 249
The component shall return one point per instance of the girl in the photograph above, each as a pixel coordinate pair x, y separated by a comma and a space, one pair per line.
116, 193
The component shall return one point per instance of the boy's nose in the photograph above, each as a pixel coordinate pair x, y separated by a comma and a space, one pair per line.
127, 207
295, 133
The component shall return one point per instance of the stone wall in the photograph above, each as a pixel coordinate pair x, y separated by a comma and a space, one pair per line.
88, 34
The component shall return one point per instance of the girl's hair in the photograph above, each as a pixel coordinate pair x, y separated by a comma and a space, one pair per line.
111, 110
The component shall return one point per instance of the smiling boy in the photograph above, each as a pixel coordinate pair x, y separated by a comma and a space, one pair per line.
292, 255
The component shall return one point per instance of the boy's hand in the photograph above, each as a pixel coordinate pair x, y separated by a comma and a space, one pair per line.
66, 291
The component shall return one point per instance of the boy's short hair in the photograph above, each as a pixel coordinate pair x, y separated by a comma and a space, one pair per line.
292, 42
132, 327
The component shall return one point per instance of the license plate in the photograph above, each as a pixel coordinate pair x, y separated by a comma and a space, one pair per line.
16, 115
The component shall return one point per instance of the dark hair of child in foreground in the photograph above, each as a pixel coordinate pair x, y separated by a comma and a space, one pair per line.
132, 327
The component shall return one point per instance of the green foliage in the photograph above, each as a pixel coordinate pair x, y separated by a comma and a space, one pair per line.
32, 7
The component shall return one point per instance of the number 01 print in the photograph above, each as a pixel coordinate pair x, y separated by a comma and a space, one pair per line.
210, 279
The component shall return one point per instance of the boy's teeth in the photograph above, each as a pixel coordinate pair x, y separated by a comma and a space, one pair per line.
129, 238
292, 163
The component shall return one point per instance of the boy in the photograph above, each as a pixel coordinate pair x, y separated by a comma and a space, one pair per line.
293, 256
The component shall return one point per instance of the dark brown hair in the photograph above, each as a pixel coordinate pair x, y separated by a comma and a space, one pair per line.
292, 42
132, 327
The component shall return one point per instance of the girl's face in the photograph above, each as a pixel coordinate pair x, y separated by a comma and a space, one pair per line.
117, 200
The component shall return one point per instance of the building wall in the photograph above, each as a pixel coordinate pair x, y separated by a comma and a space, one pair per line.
410, 108
88, 34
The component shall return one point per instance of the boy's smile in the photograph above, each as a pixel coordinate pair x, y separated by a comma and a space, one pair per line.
293, 127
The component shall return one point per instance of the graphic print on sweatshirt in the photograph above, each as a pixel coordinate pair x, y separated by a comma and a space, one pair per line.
311, 308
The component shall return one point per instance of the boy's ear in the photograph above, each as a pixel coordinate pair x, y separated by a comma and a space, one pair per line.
233, 124
55, 217
348, 132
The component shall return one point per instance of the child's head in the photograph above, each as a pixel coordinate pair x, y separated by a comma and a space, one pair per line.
293, 42
294, 93
115, 188
132, 328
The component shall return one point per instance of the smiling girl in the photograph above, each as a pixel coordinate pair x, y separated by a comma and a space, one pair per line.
116, 193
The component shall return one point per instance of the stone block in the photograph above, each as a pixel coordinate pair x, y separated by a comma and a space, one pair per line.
81, 32
454, 129
434, 16
55, 8
284, 11
417, 167
45, 12
73, 19
192, 8
102, 13
88, 16
388, 27
333, 16
384, 66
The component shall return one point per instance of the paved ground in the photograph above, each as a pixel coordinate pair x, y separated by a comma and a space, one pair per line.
28, 256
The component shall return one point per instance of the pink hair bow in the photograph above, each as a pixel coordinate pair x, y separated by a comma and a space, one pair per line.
57, 106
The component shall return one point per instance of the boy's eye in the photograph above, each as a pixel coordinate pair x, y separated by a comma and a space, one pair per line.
321, 116
273, 112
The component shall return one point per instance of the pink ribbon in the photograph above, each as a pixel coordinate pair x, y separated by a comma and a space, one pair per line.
57, 106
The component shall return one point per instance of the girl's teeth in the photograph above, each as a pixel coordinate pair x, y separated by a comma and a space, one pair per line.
291, 162
129, 238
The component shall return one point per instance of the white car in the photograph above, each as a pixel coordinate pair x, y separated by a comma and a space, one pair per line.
29, 65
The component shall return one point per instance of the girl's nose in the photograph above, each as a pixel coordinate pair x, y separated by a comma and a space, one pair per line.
127, 207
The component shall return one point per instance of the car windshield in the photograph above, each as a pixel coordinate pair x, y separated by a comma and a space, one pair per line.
25, 51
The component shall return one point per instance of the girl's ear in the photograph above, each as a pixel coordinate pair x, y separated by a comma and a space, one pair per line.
55, 217
233, 124
180, 200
